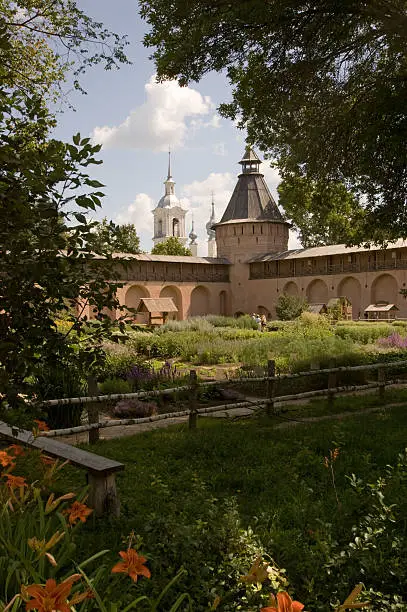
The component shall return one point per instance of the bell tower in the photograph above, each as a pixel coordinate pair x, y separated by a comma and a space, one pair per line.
169, 216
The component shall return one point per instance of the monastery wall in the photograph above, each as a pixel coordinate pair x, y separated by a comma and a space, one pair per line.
362, 289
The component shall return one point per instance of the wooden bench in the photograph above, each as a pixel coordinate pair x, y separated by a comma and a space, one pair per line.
103, 495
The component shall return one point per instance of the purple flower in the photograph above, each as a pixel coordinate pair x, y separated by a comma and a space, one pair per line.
393, 341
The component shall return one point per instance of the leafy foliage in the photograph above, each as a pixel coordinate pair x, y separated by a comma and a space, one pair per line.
171, 246
45, 40
321, 88
47, 263
112, 238
289, 307
322, 213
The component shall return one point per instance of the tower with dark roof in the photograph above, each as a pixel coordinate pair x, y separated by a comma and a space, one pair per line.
169, 216
252, 223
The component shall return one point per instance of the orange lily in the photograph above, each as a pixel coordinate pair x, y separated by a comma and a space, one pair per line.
283, 603
5, 459
53, 503
132, 564
51, 597
45, 460
77, 512
257, 573
15, 449
41, 425
15, 482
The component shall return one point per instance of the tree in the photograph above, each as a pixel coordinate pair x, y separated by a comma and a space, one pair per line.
47, 261
321, 212
47, 39
171, 246
290, 307
321, 87
114, 238
47, 250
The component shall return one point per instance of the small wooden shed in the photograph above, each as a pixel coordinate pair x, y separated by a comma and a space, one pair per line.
317, 308
157, 309
381, 310
343, 305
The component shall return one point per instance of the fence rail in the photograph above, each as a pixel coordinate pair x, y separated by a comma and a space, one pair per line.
271, 402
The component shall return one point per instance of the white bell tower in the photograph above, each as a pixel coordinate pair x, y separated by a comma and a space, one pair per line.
169, 216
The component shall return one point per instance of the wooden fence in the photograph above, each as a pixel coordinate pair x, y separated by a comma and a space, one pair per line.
270, 403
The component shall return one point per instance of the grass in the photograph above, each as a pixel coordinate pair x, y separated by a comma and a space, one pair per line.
178, 487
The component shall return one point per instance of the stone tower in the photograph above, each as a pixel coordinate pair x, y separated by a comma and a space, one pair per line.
169, 216
251, 223
211, 232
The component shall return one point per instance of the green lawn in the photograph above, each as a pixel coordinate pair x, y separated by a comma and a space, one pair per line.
187, 494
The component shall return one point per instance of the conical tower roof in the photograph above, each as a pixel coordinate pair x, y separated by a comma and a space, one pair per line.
251, 199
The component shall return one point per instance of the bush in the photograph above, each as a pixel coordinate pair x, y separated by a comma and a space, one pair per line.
289, 307
134, 408
58, 383
111, 386
364, 333
120, 359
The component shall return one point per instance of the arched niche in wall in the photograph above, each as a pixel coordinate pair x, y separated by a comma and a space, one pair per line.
223, 303
290, 288
317, 292
384, 289
173, 292
350, 288
200, 299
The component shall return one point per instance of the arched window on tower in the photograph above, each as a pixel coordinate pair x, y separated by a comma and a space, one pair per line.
160, 227
175, 228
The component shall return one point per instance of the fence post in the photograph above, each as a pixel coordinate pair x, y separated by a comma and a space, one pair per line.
93, 410
332, 383
271, 386
381, 379
193, 397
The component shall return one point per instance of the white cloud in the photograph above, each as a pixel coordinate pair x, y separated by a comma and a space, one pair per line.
167, 117
219, 148
139, 213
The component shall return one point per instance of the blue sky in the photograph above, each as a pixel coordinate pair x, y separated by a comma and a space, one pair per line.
136, 119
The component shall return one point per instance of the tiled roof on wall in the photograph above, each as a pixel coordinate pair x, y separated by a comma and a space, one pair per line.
332, 249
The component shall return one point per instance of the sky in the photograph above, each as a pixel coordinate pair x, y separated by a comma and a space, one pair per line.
136, 120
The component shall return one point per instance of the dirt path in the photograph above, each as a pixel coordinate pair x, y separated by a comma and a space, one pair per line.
120, 431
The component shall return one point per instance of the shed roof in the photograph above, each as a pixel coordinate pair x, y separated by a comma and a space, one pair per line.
341, 299
381, 307
157, 305
316, 308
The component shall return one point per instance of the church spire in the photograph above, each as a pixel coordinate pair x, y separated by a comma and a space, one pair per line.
210, 231
193, 247
169, 176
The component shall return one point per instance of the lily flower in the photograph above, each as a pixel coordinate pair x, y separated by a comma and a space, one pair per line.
257, 573
283, 603
51, 597
132, 564
77, 512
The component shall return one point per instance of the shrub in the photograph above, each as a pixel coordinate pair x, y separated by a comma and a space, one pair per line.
289, 307
243, 322
200, 324
134, 408
58, 382
112, 386
393, 341
364, 333
119, 360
